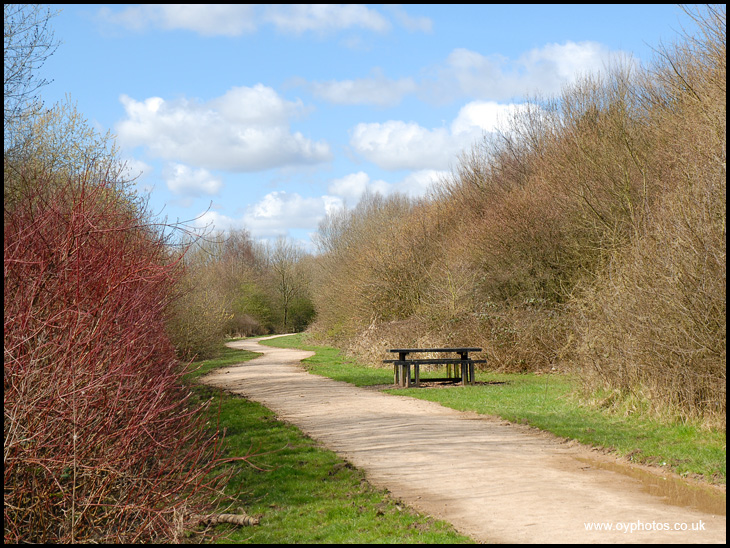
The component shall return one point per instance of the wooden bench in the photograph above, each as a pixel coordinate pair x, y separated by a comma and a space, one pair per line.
402, 366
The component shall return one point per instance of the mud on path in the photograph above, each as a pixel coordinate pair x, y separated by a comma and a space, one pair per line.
494, 481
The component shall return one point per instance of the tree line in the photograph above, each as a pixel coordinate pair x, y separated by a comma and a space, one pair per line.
234, 286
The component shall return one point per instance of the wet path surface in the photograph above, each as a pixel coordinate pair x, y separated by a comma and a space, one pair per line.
493, 481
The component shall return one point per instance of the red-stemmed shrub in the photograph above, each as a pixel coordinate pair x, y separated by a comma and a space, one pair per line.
101, 441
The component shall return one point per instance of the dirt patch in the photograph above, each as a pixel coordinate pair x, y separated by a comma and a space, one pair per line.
495, 481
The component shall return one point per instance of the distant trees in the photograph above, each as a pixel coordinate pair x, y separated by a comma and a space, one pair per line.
290, 279
235, 286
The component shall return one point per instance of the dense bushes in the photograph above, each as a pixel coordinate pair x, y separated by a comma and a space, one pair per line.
101, 444
655, 321
589, 234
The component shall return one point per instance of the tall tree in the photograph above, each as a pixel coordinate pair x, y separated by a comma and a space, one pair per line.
284, 257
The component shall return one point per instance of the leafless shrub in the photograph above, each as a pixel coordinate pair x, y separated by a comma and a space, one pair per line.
591, 230
101, 442
654, 324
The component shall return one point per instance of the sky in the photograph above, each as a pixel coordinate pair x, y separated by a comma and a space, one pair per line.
267, 117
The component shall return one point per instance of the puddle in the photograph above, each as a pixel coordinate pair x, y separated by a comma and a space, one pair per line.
670, 490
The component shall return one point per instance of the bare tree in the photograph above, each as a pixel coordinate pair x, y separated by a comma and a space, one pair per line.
284, 258
28, 43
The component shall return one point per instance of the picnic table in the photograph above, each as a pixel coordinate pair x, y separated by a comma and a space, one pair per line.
402, 365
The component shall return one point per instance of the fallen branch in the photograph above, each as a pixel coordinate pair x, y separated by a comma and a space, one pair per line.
236, 519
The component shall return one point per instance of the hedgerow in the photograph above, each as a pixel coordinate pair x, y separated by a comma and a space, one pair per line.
101, 441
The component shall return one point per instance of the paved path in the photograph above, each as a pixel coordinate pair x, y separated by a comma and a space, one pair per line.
493, 481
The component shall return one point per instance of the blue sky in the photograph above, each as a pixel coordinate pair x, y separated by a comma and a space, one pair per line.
266, 117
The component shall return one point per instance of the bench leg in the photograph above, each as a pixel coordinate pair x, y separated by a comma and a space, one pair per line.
407, 371
402, 375
417, 374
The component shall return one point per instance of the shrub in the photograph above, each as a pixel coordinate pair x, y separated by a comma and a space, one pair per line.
198, 317
654, 323
101, 444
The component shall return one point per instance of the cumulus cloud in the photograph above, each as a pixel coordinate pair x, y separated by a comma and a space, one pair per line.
139, 172
275, 215
488, 116
418, 182
351, 187
247, 129
186, 181
279, 212
237, 19
497, 77
406, 145
469, 73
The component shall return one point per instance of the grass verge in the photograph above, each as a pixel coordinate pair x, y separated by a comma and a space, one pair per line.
548, 402
303, 493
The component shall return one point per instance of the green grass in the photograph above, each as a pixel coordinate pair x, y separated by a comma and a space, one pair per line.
548, 402
304, 493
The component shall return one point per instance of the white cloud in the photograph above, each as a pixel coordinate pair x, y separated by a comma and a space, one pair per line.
214, 221
275, 215
496, 77
419, 182
411, 23
566, 61
205, 19
375, 90
247, 129
351, 187
406, 145
487, 115
298, 18
468, 73
237, 19
279, 211
136, 169
183, 180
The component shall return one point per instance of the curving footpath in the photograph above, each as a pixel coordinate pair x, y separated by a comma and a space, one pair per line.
494, 481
